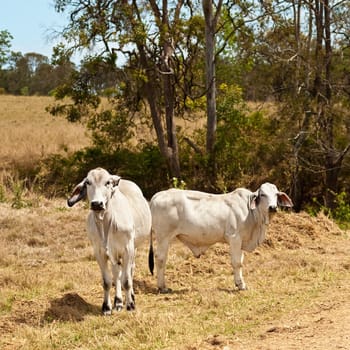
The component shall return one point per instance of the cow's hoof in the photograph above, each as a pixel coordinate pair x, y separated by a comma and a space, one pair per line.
118, 304
130, 307
118, 307
242, 287
106, 309
165, 290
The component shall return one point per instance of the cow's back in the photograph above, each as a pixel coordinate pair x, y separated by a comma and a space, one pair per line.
197, 218
140, 210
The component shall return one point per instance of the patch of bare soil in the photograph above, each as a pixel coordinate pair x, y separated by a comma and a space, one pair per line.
325, 325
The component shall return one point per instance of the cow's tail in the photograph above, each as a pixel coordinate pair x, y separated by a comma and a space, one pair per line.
151, 255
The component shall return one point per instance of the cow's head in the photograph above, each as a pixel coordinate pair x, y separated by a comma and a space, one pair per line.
268, 198
98, 187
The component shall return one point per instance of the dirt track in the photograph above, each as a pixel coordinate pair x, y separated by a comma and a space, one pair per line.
322, 326
325, 326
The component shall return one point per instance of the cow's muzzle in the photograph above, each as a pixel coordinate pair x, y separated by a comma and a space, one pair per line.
97, 206
272, 209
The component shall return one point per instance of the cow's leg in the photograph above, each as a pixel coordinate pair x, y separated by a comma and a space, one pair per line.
127, 276
117, 274
161, 258
132, 272
102, 260
237, 257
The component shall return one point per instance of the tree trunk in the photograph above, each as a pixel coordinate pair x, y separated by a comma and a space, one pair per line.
167, 143
210, 28
323, 94
210, 87
169, 95
167, 150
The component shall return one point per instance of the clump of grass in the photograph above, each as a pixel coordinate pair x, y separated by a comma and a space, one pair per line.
2, 194
6, 304
19, 190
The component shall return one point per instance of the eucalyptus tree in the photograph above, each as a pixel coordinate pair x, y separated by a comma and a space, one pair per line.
307, 41
153, 49
212, 12
5, 45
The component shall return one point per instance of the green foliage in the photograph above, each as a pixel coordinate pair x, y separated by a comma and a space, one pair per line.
32, 74
243, 146
250, 148
342, 211
111, 129
25, 91
5, 45
146, 167
177, 183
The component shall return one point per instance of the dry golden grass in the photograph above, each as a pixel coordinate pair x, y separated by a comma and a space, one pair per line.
29, 133
51, 291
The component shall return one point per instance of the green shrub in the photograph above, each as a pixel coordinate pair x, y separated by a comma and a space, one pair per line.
342, 211
59, 174
24, 91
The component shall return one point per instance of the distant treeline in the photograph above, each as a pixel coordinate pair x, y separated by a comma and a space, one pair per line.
33, 74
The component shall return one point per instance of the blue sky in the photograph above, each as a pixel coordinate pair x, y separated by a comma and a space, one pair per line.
31, 23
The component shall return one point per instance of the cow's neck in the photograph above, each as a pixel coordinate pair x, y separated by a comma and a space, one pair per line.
257, 230
104, 234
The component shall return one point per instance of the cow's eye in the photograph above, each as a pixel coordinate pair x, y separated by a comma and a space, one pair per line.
87, 182
108, 183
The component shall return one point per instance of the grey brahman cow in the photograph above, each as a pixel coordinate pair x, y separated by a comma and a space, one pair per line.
199, 220
118, 222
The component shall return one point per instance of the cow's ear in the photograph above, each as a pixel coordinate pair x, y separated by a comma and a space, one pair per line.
283, 200
79, 193
253, 201
115, 180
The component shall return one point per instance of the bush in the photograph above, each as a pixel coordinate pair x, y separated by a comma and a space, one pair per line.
342, 211
24, 91
59, 174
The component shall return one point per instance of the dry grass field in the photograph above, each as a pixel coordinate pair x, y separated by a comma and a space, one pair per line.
29, 133
51, 293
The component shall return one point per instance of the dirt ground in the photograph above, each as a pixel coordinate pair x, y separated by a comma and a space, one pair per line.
323, 325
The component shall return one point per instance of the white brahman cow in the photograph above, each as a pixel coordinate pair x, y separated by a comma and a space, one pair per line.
118, 222
199, 220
